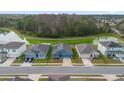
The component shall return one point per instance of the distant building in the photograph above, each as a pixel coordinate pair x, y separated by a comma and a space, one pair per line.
112, 49
58, 77
38, 51
87, 51
62, 51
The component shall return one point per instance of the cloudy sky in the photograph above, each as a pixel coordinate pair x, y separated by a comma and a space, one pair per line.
62, 6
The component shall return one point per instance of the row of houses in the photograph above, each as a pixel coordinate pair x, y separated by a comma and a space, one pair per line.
60, 51
112, 49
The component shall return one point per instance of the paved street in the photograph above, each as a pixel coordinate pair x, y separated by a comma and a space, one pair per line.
34, 77
62, 70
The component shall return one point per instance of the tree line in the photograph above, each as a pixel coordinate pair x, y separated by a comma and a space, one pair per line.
48, 25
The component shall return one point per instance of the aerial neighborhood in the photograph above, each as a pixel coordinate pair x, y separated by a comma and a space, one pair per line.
15, 48
75, 49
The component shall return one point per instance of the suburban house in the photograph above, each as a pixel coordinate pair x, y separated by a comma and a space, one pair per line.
62, 51
112, 49
38, 51
87, 51
14, 49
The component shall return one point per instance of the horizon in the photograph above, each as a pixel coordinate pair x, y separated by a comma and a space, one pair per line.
66, 12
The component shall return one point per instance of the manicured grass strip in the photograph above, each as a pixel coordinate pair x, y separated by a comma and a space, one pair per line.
43, 79
75, 58
67, 41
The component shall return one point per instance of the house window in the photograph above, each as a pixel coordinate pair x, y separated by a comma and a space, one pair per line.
13, 50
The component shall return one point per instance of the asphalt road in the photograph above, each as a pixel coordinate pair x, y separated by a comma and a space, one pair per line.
62, 70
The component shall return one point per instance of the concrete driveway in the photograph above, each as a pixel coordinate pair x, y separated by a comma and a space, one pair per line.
8, 62
67, 62
87, 62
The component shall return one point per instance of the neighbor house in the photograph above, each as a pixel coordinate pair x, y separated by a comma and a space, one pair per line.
38, 51
87, 51
112, 49
62, 51
14, 49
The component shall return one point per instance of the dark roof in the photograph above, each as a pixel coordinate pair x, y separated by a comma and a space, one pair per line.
13, 45
1, 46
40, 47
58, 77
65, 47
85, 48
20, 79
110, 44
119, 79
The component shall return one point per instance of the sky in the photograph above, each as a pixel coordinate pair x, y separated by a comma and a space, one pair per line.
62, 6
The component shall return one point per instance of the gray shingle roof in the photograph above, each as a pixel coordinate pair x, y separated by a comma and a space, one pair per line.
110, 44
58, 47
13, 45
1, 46
85, 48
40, 47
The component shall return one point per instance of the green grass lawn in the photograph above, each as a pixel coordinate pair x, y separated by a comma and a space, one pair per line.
55, 41
105, 60
75, 57
20, 59
43, 79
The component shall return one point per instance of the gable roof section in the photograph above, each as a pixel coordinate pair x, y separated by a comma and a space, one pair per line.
110, 44
13, 45
85, 48
40, 48
65, 47
1, 46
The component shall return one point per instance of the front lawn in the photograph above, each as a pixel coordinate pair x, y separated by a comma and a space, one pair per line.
20, 59
76, 60
105, 60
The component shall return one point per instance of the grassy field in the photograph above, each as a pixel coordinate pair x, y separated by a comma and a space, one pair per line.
54, 41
